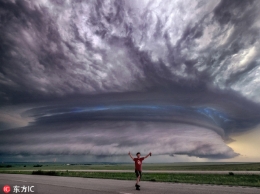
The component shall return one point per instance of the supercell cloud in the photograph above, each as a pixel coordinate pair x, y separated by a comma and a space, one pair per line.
102, 78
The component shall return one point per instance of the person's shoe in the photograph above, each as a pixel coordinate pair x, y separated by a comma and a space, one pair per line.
137, 188
136, 185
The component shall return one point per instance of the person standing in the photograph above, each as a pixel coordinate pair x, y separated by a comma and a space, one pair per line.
138, 167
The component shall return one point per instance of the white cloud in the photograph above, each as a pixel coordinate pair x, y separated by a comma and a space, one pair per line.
104, 138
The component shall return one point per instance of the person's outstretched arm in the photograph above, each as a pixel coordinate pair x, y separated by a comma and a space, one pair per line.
130, 155
148, 155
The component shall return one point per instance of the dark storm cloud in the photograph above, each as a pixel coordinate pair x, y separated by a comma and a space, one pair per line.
114, 138
164, 123
195, 63
215, 110
96, 47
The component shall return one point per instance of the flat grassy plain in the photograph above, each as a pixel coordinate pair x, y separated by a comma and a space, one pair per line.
233, 179
216, 179
146, 166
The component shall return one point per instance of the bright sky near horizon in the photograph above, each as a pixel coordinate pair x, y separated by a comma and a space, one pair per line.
247, 145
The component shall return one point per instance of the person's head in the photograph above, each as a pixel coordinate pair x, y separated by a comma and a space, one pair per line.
138, 154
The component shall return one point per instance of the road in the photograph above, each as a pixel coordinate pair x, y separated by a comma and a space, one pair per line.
160, 171
76, 185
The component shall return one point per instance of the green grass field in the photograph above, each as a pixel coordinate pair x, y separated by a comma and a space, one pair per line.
173, 166
217, 179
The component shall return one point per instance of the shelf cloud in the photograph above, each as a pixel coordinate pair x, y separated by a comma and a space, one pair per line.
103, 78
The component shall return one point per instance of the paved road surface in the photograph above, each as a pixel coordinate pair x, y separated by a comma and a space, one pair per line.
160, 171
75, 185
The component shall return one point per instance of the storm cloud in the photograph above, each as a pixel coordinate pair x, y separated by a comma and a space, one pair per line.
105, 77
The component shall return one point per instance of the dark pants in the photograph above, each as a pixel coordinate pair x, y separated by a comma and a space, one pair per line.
137, 173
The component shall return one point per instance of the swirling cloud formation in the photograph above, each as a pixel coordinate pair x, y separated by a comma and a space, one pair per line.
106, 77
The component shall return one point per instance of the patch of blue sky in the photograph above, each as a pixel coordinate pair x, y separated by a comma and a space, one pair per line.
216, 116
90, 109
125, 107
213, 114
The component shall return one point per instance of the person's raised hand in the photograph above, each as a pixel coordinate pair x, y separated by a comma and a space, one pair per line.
129, 153
150, 153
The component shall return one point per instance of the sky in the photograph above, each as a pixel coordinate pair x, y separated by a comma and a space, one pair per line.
89, 81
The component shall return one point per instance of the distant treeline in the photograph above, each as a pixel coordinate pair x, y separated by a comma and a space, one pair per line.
6, 166
51, 173
37, 165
